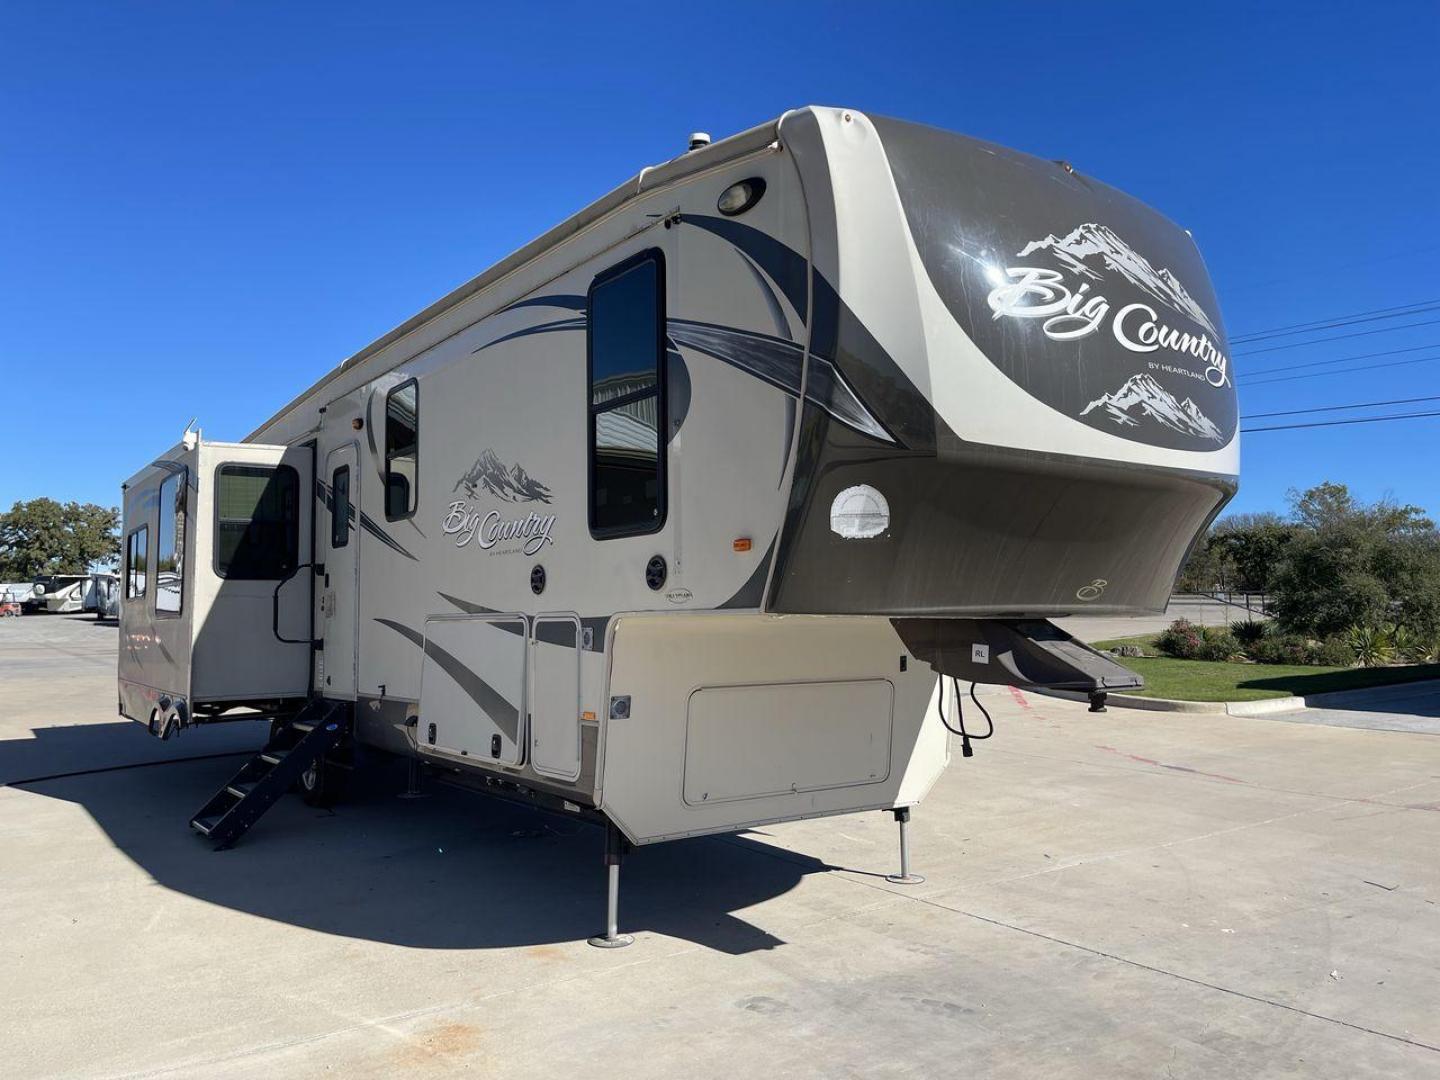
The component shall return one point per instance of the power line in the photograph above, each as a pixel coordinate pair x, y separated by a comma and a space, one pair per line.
1337, 423
1338, 408
1339, 337
1342, 371
1377, 315
1342, 359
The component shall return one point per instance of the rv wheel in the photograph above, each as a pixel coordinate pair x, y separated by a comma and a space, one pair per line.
322, 783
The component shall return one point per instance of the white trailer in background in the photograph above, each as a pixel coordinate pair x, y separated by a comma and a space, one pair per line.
62, 594
679, 517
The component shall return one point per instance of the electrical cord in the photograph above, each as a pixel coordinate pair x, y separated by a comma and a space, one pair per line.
966, 750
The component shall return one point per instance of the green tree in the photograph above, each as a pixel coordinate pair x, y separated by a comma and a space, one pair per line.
1239, 553
1350, 564
1252, 546
42, 536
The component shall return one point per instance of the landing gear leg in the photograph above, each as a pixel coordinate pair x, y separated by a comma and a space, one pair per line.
412, 783
615, 848
905, 877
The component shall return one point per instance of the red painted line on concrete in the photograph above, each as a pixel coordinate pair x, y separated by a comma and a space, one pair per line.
1172, 768
1019, 697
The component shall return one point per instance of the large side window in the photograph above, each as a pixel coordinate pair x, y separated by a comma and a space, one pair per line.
170, 545
340, 507
257, 521
402, 446
626, 364
137, 551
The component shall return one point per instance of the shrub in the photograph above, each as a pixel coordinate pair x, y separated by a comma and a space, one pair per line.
1425, 650
1181, 639
1334, 651
1217, 644
1281, 649
1248, 631
1371, 645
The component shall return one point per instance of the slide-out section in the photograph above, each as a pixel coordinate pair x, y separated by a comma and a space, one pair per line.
215, 583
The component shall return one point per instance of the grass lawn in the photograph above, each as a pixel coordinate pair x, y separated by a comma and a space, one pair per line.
1201, 680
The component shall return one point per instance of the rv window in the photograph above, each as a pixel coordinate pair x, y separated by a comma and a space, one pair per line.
257, 526
137, 549
402, 442
170, 545
340, 507
626, 353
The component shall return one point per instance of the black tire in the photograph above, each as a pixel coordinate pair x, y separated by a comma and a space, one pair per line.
323, 783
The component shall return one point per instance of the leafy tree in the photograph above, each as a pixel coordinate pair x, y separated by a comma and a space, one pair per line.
1239, 553
1251, 545
42, 536
1350, 564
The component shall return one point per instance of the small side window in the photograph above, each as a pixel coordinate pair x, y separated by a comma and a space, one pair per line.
340, 507
137, 551
170, 545
402, 446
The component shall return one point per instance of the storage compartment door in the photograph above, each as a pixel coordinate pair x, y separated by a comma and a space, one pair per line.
472, 688
751, 742
555, 696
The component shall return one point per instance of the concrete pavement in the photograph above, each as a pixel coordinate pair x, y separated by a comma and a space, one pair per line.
1120, 895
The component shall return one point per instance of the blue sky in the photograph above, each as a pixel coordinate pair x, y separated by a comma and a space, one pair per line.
205, 206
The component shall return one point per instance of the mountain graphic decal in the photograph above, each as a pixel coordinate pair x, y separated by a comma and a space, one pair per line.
1087, 246
1143, 401
509, 482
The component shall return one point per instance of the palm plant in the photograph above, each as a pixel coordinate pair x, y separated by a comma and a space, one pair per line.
1404, 642
1371, 644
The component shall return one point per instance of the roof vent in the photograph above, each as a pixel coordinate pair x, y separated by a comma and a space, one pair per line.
699, 139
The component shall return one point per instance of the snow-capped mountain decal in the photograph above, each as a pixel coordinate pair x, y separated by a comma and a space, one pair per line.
1091, 246
1142, 400
509, 482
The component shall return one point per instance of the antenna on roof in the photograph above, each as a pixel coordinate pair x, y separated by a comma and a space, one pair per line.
190, 437
699, 139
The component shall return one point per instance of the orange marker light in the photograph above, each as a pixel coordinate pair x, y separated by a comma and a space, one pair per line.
587, 715
742, 544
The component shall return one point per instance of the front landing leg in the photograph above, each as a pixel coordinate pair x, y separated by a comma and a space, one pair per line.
615, 847
905, 877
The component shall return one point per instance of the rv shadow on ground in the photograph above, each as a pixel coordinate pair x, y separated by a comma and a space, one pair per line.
451, 870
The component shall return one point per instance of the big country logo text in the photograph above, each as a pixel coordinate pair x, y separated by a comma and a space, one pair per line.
490, 529
1071, 313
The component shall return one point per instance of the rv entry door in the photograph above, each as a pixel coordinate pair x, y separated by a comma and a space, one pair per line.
339, 592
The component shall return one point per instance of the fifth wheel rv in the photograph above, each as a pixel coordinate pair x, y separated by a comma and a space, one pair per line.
681, 517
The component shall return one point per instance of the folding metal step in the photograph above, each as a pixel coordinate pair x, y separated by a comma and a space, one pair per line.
316, 730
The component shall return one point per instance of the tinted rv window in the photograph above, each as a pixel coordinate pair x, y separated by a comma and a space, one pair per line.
402, 443
170, 545
625, 359
137, 550
340, 507
257, 521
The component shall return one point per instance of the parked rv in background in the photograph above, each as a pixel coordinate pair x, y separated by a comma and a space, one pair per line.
693, 514
105, 595
61, 594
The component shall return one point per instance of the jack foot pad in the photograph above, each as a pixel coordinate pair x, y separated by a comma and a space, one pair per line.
619, 941
904, 879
